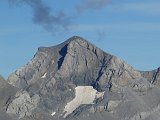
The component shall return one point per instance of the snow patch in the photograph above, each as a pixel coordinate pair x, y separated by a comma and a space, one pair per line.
44, 76
52, 61
83, 95
53, 113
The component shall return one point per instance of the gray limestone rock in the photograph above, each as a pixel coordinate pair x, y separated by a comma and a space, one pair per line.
152, 76
23, 104
47, 84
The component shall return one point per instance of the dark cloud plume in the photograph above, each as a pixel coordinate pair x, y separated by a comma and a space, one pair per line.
42, 15
91, 4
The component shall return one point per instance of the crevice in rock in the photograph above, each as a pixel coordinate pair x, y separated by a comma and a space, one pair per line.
86, 62
155, 76
63, 53
104, 64
100, 73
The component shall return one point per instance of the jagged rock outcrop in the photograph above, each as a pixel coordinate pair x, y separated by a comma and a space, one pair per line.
152, 76
77, 80
6, 93
23, 104
112, 105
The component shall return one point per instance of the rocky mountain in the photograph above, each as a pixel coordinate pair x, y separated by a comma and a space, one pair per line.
153, 76
6, 93
76, 80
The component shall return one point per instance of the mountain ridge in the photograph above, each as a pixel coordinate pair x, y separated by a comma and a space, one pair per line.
85, 46
77, 80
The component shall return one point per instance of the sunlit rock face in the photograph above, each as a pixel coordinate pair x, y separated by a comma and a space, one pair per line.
6, 93
23, 104
152, 76
77, 80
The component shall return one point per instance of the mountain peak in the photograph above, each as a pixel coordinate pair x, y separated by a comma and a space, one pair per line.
77, 39
75, 55
75, 79
74, 38
56, 72
71, 40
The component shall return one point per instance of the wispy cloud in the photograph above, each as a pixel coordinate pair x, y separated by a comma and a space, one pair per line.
10, 30
58, 21
144, 7
13, 29
55, 22
101, 31
43, 16
91, 4
131, 26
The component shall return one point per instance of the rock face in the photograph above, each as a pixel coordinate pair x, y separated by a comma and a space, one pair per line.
153, 76
77, 80
112, 105
6, 93
23, 104
76, 61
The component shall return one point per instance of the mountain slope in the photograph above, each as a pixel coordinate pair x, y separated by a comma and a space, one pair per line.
76, 59
6, 93
77, 80
153, 76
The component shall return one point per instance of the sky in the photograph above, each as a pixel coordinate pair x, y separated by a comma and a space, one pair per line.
128, 29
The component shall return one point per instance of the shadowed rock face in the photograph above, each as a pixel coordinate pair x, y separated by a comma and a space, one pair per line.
48, 86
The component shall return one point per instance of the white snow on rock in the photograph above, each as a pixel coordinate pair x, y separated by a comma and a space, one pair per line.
52, 61
83, 95
53, 113
44, 76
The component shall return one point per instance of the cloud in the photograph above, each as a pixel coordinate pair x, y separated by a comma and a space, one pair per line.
143, 7
14, 29
126, 26
43, 16
91, 4
55, 22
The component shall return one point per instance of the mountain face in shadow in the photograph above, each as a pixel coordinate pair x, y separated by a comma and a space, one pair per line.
77, 80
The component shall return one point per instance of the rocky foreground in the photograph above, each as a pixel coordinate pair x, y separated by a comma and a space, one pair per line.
76, 80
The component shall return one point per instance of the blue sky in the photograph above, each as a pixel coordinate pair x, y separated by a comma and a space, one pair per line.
129, 29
